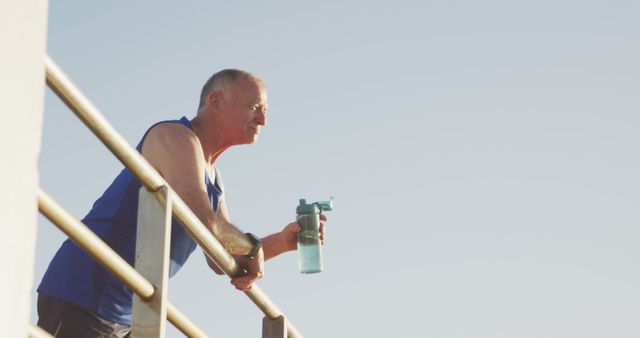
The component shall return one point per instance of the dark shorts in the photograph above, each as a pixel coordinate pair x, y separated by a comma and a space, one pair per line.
66, 320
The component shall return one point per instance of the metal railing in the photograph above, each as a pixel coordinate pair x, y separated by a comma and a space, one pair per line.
108, 258
36, 332
153, 182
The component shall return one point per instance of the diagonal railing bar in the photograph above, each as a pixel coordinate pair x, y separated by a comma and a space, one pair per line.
89, 114
176, 316
109, 259
37, 332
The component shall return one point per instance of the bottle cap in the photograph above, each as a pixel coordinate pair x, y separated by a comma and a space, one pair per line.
315, 207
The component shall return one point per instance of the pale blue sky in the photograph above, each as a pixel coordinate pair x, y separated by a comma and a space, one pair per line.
483, 156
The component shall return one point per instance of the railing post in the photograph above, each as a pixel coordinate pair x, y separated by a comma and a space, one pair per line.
276, 328
152, 261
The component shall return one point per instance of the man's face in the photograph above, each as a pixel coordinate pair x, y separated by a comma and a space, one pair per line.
243, 111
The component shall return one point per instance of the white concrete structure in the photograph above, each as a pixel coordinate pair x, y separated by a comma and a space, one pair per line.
23, 32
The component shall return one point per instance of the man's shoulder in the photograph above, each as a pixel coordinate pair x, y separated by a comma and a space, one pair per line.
171, 134
171, 128
170, 139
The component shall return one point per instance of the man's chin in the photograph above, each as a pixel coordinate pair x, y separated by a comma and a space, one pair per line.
252, 140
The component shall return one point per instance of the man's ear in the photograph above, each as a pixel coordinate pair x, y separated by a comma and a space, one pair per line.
214, 98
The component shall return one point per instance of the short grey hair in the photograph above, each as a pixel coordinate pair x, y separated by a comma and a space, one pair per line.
222, 79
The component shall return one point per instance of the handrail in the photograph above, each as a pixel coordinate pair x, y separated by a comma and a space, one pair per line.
91, 116
109, 259
37, 332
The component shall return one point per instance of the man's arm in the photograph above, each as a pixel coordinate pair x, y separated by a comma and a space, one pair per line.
176, 153
286, 240
274, 244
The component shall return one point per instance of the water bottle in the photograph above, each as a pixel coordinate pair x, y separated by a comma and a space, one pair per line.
309, 246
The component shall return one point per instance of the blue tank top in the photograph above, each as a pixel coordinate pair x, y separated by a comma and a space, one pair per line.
75, 277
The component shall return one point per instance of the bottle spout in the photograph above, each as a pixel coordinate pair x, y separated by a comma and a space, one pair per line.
326, 205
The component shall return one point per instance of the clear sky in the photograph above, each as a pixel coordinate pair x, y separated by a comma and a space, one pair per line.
483, 155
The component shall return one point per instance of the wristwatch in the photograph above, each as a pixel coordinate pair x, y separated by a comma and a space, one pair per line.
257, 245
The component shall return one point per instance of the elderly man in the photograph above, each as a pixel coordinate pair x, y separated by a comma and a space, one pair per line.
79, 298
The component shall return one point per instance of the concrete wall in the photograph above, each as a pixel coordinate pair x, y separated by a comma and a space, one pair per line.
23, 32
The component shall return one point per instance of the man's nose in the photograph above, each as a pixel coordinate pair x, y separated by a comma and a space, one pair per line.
261, 117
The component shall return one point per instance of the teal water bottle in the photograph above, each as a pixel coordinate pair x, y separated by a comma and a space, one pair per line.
309, 246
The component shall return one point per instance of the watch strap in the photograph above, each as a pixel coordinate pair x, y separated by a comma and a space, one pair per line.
257, 245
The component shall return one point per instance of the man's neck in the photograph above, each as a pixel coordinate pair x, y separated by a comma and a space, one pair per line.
212, 146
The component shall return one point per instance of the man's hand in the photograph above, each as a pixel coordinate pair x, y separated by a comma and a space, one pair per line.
290, 234
287, 239
254, 270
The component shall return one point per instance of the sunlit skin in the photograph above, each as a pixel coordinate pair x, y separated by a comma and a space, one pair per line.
233, 115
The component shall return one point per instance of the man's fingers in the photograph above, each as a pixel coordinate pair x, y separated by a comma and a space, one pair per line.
322, 230
245, 283
295, 226
323, 219
241, 283
242, 286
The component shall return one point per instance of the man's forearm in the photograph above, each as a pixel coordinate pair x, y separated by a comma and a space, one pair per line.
233, 240
274, 245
